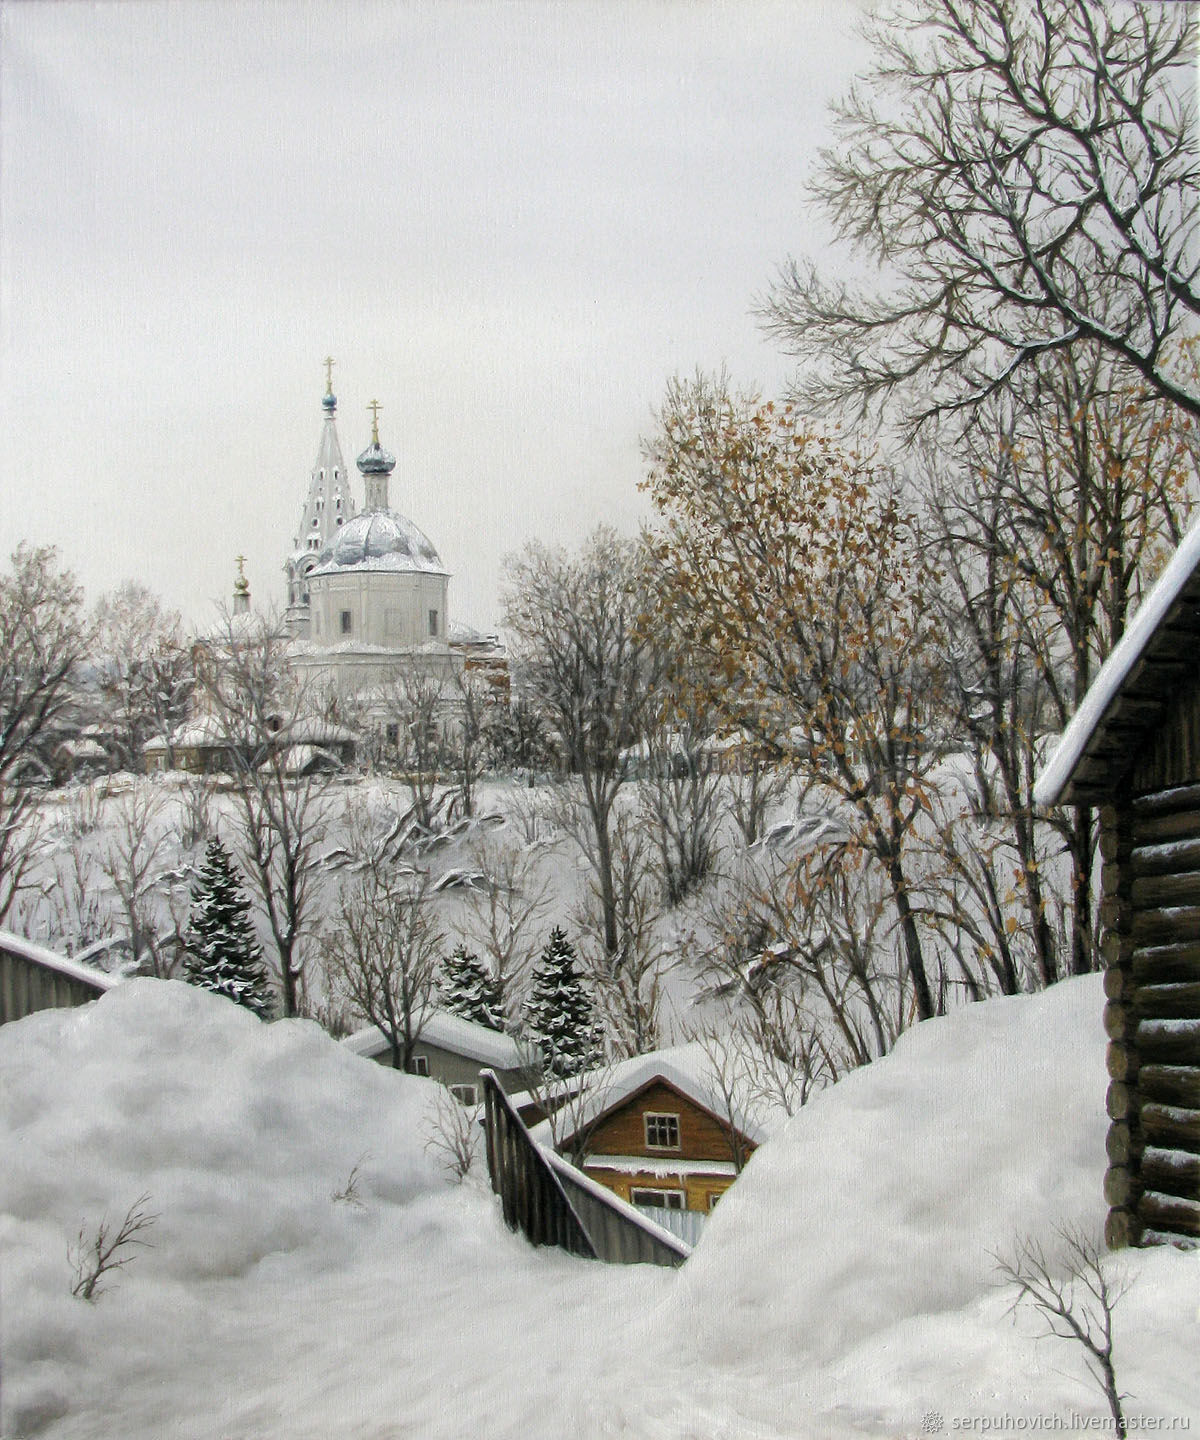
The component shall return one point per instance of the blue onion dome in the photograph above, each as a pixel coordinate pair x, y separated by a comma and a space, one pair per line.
375, 460
329, 403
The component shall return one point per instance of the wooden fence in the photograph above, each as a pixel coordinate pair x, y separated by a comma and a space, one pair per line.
552, 1203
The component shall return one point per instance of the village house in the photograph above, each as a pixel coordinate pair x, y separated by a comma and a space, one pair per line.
1133, 751
654, 1130
452, 1050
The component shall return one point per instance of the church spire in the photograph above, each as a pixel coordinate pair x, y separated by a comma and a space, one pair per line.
375, 464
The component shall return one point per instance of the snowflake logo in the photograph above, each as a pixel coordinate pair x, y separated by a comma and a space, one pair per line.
932, 1422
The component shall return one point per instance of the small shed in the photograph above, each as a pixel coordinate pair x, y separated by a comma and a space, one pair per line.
1133, 751
34, 978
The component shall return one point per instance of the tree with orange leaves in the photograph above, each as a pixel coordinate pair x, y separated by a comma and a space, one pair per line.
796, 567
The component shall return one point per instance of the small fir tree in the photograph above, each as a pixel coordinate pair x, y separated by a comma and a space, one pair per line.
466, 988
223, 953
558, 1015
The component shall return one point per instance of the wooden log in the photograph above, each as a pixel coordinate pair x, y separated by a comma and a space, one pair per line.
1122, 1101
1171, 1127
1118, 984
1123, 1061
1122, 1188
1120, 1022
1165, 859
1171, 1085
1167, 926
1166, 802
1162, 891
1116, 949
1165, 964
1168, 1042
1117, 913
1171, 1172
1169, 1212
1122, 1229
1123, 1144
1167, 1002
1158, 829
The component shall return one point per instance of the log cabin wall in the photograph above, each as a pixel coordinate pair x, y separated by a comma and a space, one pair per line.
1150, 848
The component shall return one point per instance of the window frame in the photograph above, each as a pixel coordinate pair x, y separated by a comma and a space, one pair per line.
671, 1196
652, 1120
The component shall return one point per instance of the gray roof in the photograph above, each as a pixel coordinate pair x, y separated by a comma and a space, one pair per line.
379, 540
448, 1032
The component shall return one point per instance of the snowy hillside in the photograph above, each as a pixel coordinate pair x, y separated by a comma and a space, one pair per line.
844, 1287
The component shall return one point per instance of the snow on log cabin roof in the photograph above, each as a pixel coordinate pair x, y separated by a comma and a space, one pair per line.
1132, 690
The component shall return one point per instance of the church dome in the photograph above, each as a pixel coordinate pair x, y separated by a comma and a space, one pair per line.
379, 540
375, 460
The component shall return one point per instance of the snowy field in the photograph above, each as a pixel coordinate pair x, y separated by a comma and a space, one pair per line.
844, 1288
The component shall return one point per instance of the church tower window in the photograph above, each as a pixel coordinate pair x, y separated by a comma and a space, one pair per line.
345, 622
433, 622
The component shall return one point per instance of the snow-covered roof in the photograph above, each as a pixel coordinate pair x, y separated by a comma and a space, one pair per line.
448, 1032
51, 960
688, 1068
314, 730
1177, 587
379, 540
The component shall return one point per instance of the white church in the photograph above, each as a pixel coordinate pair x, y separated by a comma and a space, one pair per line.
366, 589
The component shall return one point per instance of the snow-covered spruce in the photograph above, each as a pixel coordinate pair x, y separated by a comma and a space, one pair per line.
467, 988
558, 1016
223, 953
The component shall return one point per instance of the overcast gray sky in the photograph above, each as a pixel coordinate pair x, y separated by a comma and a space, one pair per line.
509, 222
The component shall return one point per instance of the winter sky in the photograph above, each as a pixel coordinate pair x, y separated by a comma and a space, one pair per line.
510, 223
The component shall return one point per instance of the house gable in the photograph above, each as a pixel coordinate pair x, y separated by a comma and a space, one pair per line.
622, 1129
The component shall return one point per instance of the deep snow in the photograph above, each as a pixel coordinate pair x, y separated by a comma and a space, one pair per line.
844, 1287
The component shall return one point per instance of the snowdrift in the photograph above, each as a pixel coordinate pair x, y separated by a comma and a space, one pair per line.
843, 1288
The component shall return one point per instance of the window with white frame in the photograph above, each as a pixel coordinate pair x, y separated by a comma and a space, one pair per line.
420, 1064
662, 1131
465, 1094
663, 1199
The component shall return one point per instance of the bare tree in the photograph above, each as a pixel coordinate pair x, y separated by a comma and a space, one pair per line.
473, 698
383, 955
628, 979
144, 668
1059, 508
753, 782
416, 701
585, 661
42, 639
505, 917
1075, 1297
280, 816
1024, 178
134, 860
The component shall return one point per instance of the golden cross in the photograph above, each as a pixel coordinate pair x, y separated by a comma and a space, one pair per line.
374, 407
329, 374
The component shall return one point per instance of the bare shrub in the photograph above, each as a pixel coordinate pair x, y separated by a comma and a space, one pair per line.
98, 1253
1075, 1299
452, 1135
